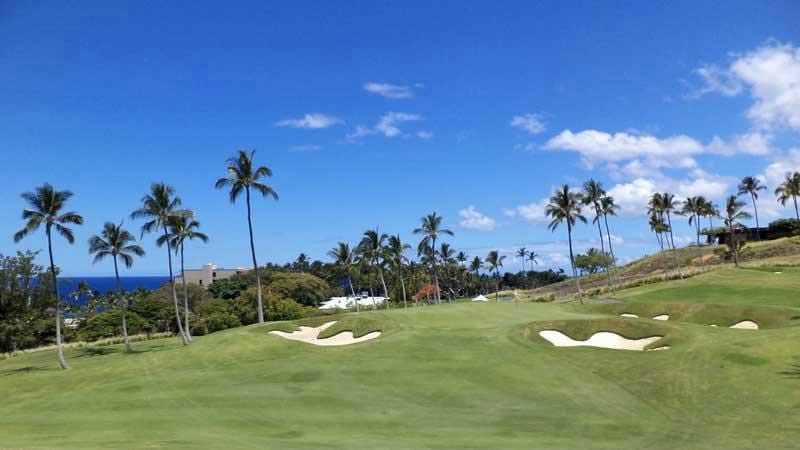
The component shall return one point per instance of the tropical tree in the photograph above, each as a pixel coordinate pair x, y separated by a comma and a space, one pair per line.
116, 242
244, 176
301, 264
593, 194
733, 214
522, 253
159, 208
395, 252
665, 204
790, 188
565, 206
461, 257
710, 211
494, 262
694, 207
430, 229
658, 226
532, 258
45, 205
609, 208
751, 186
183, 228
475, 266
373, 248
344, 258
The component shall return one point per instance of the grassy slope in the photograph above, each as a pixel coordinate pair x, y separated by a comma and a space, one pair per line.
452, 376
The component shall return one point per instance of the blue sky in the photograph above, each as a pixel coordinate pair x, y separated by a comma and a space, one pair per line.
376, 113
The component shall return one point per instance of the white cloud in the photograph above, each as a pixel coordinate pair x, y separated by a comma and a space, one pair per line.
473, 219
529, 122
311, 121
388, 126
389, 90
754, 143
632, 197
305, 148
771, 73
596, 145
532, 212
772, 176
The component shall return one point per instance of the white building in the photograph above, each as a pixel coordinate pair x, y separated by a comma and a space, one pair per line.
350, 302
208, 274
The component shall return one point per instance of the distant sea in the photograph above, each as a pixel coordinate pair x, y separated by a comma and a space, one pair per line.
105, 284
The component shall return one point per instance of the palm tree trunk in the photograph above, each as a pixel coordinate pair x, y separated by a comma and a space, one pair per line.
755, 209
436, 297
383, 282
174, 291
611, 250
253, 254
674, 250
372, 294
353, 291
734, 244
497, 286
185, 301
59, 350
572, 262
796, 212
697, 226
603, 248
402, 284
121, 303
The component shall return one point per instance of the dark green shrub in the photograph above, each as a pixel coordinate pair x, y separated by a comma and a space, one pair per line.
109, 324
303, 288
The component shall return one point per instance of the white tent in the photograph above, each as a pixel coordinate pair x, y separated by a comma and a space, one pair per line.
480, 298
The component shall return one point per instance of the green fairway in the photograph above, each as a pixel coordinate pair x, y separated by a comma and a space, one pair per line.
452, 376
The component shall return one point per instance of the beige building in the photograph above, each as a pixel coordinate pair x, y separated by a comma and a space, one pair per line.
208, 274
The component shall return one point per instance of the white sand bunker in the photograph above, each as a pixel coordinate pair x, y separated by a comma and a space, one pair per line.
310, 335
628, 315
602, 339
661, 317
745, 325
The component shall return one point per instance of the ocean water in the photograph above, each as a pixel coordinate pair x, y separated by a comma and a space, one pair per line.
104, 284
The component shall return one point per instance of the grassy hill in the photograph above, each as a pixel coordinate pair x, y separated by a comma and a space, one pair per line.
783, 252
451, 376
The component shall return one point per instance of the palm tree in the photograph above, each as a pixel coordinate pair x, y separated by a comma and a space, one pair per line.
116, 242
431, 228
694, 208
461, 257
658, 227
373, 249
475, 266
495, 262
161, 205
182, 228
395, 251
531, 259
243, 176
789, 188
733, 214
593, 194
609, 208
343, 257
710, 210
751, 185
565, 206
666, 204
44, 207
522, 253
